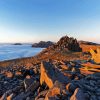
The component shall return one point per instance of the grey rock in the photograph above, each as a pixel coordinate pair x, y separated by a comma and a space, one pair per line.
78, 95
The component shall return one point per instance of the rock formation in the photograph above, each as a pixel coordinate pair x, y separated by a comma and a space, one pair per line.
68, 44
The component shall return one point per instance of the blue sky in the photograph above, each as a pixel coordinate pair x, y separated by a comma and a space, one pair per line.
35, 20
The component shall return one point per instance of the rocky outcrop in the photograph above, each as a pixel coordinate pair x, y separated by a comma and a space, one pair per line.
43, 44
68, 44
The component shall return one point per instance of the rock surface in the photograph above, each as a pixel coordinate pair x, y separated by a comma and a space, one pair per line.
68, 44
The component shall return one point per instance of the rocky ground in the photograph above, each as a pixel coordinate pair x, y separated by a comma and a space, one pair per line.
53, 80
57, 73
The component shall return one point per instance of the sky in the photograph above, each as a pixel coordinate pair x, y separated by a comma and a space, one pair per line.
36, 20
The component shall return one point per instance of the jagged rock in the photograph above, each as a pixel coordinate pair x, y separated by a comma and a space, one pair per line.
68, 44
96, 56
78, 95
49, 75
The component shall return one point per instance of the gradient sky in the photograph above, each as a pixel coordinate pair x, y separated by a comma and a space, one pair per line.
35, 20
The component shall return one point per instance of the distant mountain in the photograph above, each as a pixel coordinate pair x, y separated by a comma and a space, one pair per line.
43, 44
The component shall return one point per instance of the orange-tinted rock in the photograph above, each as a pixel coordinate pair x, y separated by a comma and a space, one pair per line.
18, 73
89, 68
52, 93
64, 67
95, 56
50, 74
9, 74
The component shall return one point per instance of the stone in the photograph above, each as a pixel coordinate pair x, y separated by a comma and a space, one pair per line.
49, 74
71, 87
52, 93
78, 95
95, 56
9, 74
4, 97
28, 81
22, 96
64, 67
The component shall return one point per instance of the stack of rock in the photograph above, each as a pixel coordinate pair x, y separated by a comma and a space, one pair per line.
68, 44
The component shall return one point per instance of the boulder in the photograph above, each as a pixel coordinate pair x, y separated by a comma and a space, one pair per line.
50, 74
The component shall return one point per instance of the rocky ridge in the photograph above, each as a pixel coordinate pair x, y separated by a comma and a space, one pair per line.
51, 79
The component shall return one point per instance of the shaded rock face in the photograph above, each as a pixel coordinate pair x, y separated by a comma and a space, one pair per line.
43, 44
68, 44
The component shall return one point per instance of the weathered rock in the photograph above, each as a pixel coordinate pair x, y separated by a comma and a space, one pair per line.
68, 44
4, 97
28, 81
52, 93
78, 95
49, 75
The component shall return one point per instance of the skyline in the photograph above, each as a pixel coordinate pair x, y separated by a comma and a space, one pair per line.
36, 20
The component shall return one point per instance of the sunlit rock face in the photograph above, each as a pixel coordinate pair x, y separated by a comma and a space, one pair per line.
96, 55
